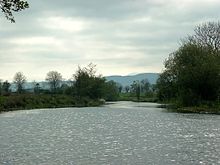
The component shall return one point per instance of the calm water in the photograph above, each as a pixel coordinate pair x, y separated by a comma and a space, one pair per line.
121, 133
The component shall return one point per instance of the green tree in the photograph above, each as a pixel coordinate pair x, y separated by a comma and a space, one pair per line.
192, 73
36, 87
111, 91
127, 89
19, 80
0, 87
145, 86
54, 79
87, 84
136, 89
120, 87
10, 6
6, 88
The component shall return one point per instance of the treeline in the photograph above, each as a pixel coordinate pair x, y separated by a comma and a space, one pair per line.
139, 91
191, 77
85, 89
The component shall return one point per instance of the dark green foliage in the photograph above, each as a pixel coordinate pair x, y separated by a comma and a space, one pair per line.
0, 87
5, 88
31, 101
87, 84
111, 91
192, 74
127, 89
136, 89
145, 86
37, 88
10, 6
120, 87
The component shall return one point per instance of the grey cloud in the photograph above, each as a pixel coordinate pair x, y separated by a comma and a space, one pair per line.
136, 35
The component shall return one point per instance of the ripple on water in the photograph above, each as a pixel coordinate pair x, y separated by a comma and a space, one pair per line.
121, 133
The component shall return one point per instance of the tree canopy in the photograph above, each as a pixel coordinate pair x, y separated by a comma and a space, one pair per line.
19, 80
192, 73
10, 6
53, 78
87, 84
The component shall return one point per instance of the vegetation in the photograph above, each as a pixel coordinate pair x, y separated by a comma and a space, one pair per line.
19, 80
87, 84
10, 6
192, 73
86, 89
54, 79
139, 91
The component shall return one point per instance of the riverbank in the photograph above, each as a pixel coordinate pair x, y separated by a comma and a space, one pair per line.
31, 101
202, 109
129, 97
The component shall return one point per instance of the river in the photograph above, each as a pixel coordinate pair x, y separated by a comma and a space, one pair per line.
119, 133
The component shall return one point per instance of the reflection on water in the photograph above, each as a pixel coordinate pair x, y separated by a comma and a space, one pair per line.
118, 133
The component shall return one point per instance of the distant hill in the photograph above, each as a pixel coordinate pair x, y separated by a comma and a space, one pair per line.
128, 80
123, 80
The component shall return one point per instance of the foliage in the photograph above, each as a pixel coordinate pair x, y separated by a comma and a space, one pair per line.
136, 89
54, 78
0, 87
5, 88
145, 86
192, 73
10, 6
19, 80
127, 89
87, 84
111, 91
32, 101
36, 88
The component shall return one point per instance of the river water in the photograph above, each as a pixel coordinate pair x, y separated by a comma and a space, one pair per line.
119, 133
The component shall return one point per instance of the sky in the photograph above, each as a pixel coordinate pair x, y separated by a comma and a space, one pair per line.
121, 37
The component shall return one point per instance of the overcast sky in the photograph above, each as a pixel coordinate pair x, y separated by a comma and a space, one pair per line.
121, 36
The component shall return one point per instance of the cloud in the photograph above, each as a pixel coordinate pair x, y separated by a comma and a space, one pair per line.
121, 37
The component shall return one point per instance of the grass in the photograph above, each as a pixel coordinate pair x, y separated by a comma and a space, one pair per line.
203, 107
130, 97
31, 101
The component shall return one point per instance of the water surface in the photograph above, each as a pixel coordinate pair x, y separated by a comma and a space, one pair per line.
120, 133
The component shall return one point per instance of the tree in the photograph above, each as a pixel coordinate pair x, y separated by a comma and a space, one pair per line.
87, 84
136, 89
192, 73
10, 6
36, 87
207, 35
111, 91
145, 86
6, 88
120, 87
54, 79
19, 80
127, 89
0, 87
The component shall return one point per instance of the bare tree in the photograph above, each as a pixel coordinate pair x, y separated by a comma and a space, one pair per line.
54, 78
19, 80
207, 35
10, 6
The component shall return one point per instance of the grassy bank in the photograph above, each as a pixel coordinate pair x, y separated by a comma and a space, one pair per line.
31, 101
204, 108
129, 97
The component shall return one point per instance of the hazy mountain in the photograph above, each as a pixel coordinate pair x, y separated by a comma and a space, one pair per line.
123, 80
128, 80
